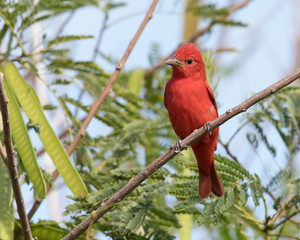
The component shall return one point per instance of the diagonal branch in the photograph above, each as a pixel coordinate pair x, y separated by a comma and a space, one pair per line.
287, 218
112, 80
101, 33
226, 147
9, 159
102, 97
239, 5
163, 159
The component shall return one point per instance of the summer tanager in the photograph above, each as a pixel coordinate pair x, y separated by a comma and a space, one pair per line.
191, 104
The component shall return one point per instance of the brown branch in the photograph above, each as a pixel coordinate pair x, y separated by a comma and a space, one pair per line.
112, 79
102, 97
64, 24
226, 147
239, 5
282, 206
282, 211
9, 159
163, 159
2, 151
287, 218
193, 38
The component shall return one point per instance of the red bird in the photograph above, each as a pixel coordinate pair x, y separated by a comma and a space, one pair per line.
191, 104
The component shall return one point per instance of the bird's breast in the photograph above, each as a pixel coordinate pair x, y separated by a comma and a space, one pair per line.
189, 105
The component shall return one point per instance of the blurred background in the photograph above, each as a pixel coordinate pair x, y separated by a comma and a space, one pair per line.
259, 47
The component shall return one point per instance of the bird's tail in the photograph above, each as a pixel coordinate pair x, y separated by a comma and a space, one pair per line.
210, 184
209, 181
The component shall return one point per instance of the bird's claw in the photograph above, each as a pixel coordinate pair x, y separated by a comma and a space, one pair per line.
207, 127
178, 146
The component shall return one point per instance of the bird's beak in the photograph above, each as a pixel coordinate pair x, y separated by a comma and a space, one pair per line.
173, 61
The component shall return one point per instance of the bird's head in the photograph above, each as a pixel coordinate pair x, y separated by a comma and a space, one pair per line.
187, 61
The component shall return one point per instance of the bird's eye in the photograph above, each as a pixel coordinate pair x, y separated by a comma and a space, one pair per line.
190, 61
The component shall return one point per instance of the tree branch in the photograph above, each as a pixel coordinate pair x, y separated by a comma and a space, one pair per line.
101, 32
240, 5
287, 218
8, 158
226, 147
102, 97
64, 24
2, 150
112, 80
163, 159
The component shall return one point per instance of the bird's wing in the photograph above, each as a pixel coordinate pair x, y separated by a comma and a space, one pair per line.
211, 95
213, 100
166, 95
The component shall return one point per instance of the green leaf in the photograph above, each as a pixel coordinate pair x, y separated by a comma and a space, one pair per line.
49, 230
230, 197
136, 80
111, 5
49, 107
7, 220
22, 141
31, 105
230, 23
69, 38
137, 219
242, 197
135, 126
61, 82
254, 193
210, 11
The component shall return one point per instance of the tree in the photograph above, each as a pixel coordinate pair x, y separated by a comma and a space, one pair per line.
131, 107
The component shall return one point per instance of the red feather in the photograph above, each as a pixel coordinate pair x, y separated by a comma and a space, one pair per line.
191, 103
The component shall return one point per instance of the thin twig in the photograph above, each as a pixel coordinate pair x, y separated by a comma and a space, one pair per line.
193, 38
237, 131
226, 147
163, 159
2, 151
10, 160
270, 194
239, 5
102, 97
11, 27
287, 218
64, 24
101, 32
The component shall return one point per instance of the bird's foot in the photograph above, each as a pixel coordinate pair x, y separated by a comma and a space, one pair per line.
178, 146
207, 127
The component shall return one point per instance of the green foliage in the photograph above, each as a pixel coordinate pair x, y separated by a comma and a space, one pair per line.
280, 110
217, 15
210, 11
237, 182
31, 105
44, 230
63, 39
230, 23
21, 139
